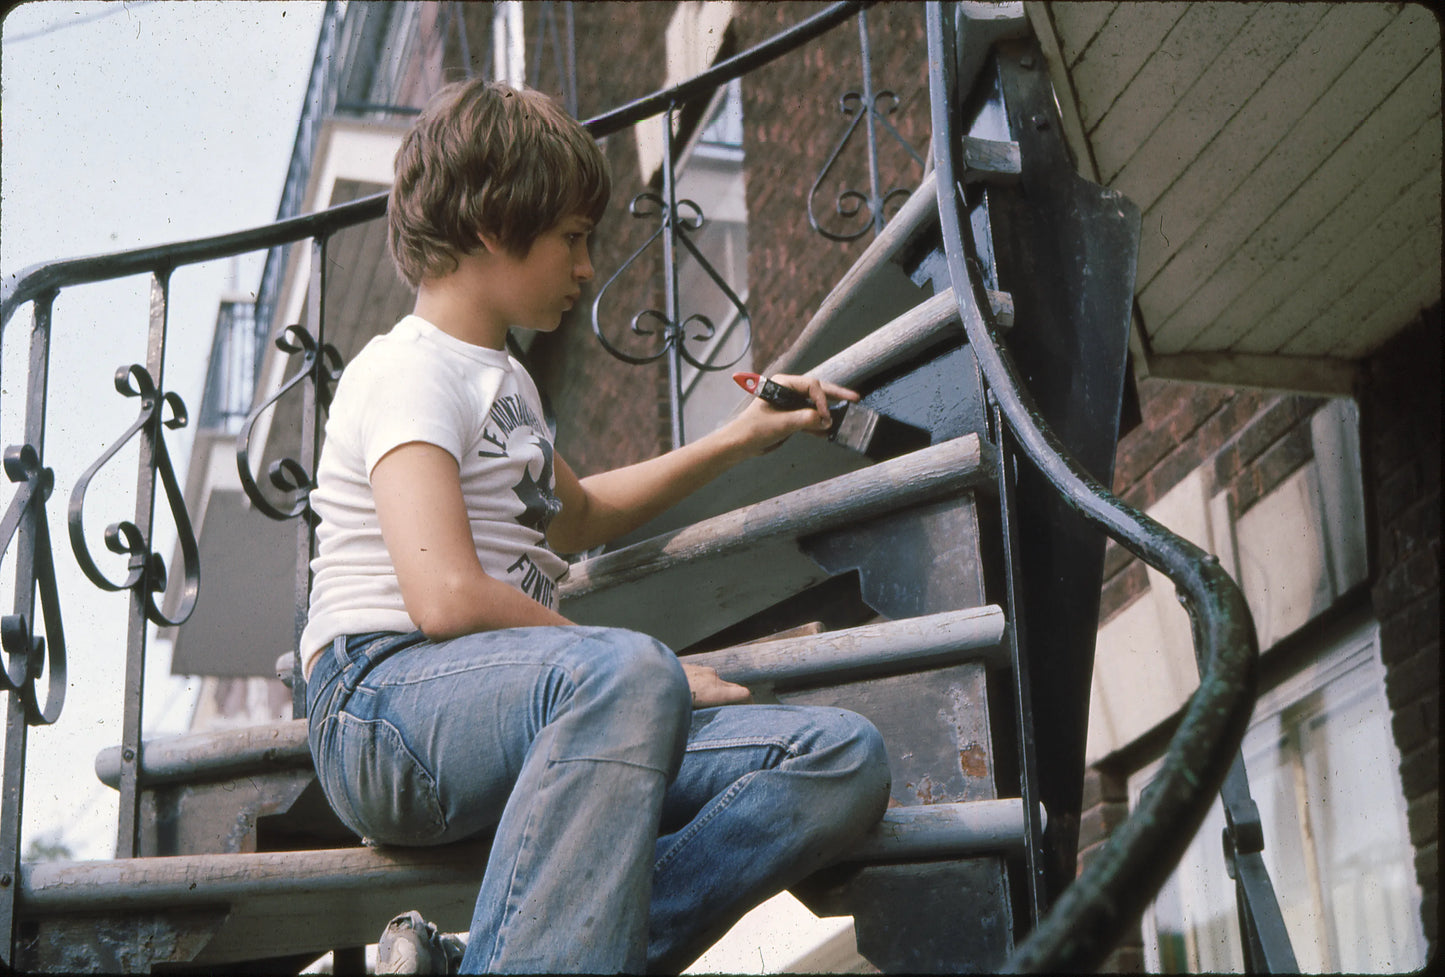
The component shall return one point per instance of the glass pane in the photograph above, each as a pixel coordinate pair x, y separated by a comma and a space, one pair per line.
1363, 851
1204, 935
1324, 774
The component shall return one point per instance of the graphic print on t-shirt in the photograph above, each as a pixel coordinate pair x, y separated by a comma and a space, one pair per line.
511, 431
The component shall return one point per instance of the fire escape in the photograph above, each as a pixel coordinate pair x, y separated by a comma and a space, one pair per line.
949, 593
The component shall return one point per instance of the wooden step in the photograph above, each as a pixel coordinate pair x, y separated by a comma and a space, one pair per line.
879, 287
872, 649
731, 566
218, 909
219, 755
874, 290
830, 657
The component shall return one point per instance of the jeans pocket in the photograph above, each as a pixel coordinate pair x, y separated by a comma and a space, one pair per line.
389, 791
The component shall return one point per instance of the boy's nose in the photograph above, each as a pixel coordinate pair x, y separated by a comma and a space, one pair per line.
582, 270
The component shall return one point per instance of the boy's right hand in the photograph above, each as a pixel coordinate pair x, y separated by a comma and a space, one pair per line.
710, 689
763, 426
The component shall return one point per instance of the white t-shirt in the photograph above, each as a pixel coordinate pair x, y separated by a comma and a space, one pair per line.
416, 383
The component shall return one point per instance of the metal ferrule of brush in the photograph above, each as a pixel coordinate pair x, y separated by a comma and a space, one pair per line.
854, 428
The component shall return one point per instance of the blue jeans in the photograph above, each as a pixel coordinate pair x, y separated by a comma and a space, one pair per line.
630, 830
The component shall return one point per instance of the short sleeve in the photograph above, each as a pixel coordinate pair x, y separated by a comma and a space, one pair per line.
402, 397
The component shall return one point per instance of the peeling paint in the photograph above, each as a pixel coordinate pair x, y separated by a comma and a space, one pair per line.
973, 760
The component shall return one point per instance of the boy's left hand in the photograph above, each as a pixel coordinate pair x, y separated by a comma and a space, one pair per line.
765, 426
710, 689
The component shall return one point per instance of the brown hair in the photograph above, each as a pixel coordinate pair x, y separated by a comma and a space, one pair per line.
484, 157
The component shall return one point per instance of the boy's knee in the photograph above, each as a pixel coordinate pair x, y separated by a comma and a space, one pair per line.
639, 680
862, 759
873, 754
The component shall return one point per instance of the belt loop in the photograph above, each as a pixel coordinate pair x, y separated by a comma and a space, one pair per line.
352, 668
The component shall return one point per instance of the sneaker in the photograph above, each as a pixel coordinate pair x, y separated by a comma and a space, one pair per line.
411, 945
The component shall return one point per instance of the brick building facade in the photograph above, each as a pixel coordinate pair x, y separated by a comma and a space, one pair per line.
1401, 417
1250, 442
789, 134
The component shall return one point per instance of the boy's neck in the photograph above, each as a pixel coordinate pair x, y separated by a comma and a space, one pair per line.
457, 305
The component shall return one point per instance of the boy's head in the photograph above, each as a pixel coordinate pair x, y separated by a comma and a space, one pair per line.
485, 158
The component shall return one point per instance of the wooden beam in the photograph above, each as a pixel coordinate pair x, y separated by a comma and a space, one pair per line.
890, 646
1317, 375
941, 470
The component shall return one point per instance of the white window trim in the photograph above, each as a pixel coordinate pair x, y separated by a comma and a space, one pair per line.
1356, 648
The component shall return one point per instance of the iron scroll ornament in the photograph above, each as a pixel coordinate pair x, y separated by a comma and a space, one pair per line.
685, 218
857, 107
25, 652
145, 568
319, 361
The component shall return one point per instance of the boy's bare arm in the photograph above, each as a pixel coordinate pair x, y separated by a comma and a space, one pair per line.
604, 506
424, 523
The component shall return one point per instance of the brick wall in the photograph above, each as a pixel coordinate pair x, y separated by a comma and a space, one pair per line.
1253, 440
607, 409
1400, 416
1105, 806
792, 125
611, 413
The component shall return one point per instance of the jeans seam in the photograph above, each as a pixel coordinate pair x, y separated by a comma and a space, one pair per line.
478, 666
608, 759
789, 747
718, 807
523, 847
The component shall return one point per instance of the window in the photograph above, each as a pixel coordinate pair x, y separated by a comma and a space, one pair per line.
1324, 771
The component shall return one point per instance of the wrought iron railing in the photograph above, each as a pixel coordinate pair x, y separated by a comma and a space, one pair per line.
1089, 915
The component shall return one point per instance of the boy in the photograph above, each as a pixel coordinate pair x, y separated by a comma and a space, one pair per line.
640, 807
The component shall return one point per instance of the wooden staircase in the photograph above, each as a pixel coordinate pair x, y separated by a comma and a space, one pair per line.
809, 574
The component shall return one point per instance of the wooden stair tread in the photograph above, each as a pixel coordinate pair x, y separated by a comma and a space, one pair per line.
740, 562
825, 657
956, 830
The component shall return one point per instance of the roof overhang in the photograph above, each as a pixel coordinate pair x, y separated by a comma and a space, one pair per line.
1286, 159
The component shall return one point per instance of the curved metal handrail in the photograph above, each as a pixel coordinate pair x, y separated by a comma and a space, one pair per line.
38, 279
1090, 915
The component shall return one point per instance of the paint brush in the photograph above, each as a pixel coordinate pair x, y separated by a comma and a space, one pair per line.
856, 427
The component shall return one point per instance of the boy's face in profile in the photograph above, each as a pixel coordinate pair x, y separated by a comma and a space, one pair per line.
534, 290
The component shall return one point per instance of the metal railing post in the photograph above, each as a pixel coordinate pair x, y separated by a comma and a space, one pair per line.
137, 622
312, 396
12, 789
671, 300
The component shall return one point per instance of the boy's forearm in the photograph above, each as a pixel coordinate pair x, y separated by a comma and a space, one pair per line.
603, 507
618, 501
478, 603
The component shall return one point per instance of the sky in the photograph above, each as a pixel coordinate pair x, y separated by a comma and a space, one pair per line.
125, 124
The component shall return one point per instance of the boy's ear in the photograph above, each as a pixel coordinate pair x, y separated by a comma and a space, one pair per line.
490, 243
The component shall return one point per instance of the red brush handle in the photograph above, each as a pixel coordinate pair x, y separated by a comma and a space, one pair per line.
781, 397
